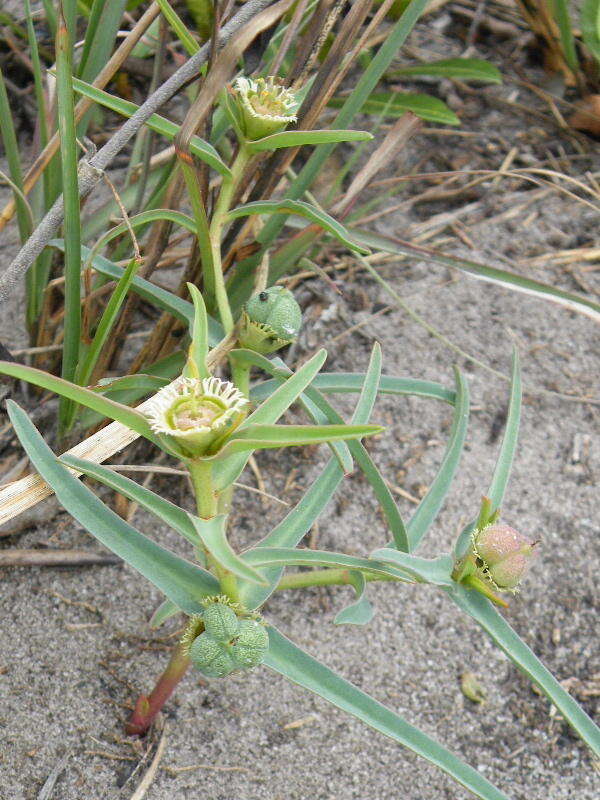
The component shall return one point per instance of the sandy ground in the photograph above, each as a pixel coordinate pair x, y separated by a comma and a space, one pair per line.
76, 645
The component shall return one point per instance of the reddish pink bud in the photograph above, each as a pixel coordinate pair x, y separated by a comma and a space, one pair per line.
505, 553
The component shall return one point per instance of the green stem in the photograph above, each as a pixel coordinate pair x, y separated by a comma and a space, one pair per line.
206, 498
218, 222
207, 504
240, 374
326, 577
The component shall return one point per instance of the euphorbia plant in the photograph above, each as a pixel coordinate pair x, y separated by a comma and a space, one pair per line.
213, 425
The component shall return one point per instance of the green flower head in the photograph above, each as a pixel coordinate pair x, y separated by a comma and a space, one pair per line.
265, 106
192, 415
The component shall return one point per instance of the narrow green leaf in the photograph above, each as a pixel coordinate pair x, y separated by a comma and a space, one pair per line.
269, 412
484, 613
590, 26
78, 394
430, 505
179, 27
360, 612
305, 557
299, 667
500, 277
395, 104
165, 611
425, 570
292, 528
289, 532
299, 138
562, 14
352, 382
106, 324
511, 435
131, 388
213, 533
302, 209
196, 363
203, 150
465, 69
264, 437
182, 582
168, 512
357, 450
493, 500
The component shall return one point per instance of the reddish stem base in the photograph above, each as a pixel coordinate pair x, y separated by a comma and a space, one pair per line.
147, 707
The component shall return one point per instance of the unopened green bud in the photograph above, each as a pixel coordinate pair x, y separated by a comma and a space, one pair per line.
270, 320
505, 554
265, 107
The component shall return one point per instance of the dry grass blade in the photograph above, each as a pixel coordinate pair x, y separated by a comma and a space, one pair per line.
146, 781
55, 558
406, 127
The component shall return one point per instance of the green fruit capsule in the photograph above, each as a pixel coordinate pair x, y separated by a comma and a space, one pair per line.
212, 658
250, 645
220, 621
270, 320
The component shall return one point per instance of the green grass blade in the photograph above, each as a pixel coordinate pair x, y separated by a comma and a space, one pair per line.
425, 570
213, 534
299, 667
562, 15
11, 150
72, 222
430, 505
511, 435
168, 512
106, 324
494, 624
303, 209
299, 138
179, 28
395, 104
464, 69
182, 582
360, 612
78, 394
203, 150
500, 277
128, 389
590, 26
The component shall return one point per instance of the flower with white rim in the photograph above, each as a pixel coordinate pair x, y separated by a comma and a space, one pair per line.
194, 414
266, 107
